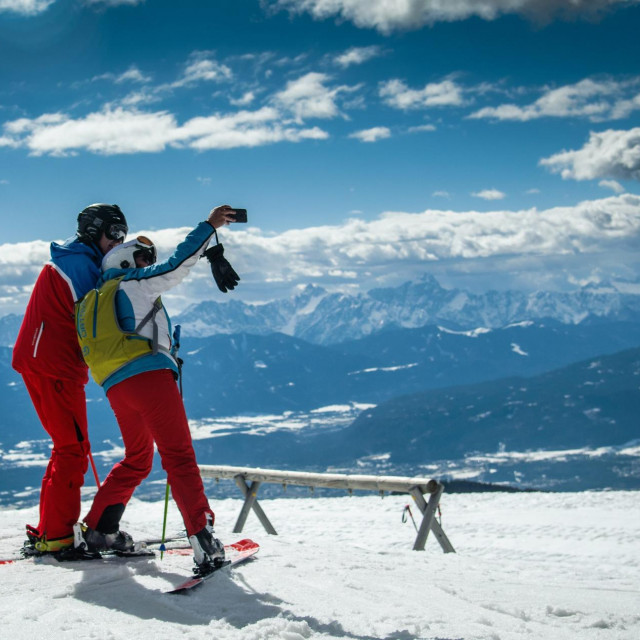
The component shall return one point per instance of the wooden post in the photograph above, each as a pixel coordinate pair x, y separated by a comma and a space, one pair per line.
251, 502
429, 523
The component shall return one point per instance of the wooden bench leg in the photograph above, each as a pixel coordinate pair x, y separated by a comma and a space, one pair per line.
429, 522
251, 502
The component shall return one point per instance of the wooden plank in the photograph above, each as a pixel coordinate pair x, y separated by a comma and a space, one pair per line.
328, 480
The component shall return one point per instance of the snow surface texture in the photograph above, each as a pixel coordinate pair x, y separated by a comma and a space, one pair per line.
530, 565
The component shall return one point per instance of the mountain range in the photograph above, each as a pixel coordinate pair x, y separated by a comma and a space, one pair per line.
319, 317
231, 374
297, 354
487, 373
226, 375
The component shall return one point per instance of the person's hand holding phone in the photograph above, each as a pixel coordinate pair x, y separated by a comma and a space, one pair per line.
220, 216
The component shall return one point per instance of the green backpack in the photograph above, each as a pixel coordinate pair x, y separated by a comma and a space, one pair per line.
105, 346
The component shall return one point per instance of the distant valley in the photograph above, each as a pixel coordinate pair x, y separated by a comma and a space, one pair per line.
439, 385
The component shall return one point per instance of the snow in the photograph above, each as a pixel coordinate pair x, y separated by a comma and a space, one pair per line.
385, 369
327, 417
474, 333
555, 566
516, 348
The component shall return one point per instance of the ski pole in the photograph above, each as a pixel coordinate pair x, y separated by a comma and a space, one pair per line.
163, 547
406, 510
95, 471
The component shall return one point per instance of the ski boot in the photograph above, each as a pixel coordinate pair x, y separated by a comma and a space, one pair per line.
94, 541
37, 544
208, 551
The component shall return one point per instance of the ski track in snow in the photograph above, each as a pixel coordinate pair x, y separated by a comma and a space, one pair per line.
528, 566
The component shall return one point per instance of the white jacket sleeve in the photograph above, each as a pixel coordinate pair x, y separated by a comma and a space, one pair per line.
153, 280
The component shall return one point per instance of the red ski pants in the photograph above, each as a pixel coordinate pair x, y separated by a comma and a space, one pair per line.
149, 408
62, 409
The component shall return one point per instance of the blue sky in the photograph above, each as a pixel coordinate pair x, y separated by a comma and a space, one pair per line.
491, 143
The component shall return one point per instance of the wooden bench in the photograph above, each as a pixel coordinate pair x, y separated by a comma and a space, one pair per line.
416, 487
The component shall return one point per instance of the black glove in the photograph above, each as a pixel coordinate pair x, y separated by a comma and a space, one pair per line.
223, 273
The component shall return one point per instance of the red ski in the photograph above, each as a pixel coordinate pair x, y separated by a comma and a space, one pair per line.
234, 553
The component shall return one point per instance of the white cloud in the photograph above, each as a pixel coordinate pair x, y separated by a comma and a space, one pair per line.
357, 55
372, 135
119, 130
489, 194
132, 74
107, 132
146, 96
595, 100
25, 7
308, 97
422, 128
388, 16
9, 141
243, 129
608, 154
24, 254
441, 194
397, 94
247, 98
614, 185
203, 69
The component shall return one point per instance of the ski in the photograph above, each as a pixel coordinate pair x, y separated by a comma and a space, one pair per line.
235, 554
74, 555
142, 549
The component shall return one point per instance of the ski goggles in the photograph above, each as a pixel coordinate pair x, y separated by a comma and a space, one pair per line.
116, 232
145, 249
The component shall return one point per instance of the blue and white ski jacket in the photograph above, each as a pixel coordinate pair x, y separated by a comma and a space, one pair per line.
140, 288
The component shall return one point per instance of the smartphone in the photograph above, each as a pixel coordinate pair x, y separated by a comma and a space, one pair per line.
241, 215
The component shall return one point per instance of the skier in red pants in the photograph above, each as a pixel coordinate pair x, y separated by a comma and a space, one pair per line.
47, 355
139, 379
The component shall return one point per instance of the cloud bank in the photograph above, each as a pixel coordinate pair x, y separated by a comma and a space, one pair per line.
403, 15
547, 245
128, 130
123, 127
596, 100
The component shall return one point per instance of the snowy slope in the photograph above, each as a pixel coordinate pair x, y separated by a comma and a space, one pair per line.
528, 566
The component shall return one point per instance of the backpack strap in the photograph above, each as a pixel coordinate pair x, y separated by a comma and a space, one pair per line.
157, 305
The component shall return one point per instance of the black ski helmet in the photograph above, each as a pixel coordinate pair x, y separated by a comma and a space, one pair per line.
100, 218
